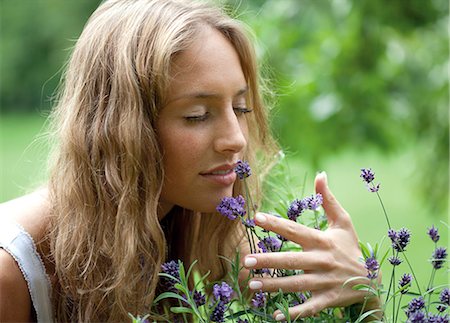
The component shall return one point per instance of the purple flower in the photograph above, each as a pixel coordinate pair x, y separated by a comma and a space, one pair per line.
242, 320
417, 317
300, 300
249, 223
438, 257
171, 268
416, 304
232, 207
313, 202
434, 234
404, 282
372, 267
444, 297
374, 188
441, 308
269, 244
395, 261
279, 236
218, 312
262, 271
222, 292
242, 169
367, 175
199, 298
259, 300
295, 209
436, 318
399, 239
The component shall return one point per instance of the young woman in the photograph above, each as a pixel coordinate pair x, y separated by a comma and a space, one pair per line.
160, 100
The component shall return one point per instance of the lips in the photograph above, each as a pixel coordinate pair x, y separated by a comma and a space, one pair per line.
223, 175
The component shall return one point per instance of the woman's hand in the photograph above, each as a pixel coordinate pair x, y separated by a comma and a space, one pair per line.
329, 259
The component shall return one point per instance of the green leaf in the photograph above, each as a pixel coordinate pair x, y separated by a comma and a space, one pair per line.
190, 269
364, 250
366, 288
367, 314
168, 295
181, 309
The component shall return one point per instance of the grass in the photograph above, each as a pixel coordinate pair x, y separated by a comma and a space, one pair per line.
24, 153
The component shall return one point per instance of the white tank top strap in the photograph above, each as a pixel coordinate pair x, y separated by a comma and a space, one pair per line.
20, 245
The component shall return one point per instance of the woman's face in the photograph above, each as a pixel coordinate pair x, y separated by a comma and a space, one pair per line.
202, 128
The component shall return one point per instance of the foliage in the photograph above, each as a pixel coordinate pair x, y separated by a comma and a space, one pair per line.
424, 305
359, 74
356, 74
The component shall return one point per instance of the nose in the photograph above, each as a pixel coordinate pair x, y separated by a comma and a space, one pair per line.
231, 134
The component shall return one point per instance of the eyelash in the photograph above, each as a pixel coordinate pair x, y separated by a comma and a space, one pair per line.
238, 111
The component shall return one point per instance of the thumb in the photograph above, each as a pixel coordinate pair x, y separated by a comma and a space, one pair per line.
336, 214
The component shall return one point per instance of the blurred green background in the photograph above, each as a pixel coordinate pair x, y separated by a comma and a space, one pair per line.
356, 84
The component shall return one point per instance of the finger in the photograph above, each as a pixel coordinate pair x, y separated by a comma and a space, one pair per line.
288, 260
310, 308
336, 214
290, 284
291, 230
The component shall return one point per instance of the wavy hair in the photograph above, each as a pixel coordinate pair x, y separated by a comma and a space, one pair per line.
107, 173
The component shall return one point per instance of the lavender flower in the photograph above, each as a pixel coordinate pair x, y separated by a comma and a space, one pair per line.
242, 321
436, 318
279, 236
232, 207
262, 271
441, 308
171, 268
434, 234
444, 297
301, 299
269, 244
367, 175
405, 282
296, 209
417, 317
242, 169
372, 267
218, 312
416, 304
395, 261
222, 292
399, 239
259, 300
199, 298
249, 223
313, 202
438, 257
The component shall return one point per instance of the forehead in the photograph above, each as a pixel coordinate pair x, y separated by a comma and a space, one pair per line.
209, 64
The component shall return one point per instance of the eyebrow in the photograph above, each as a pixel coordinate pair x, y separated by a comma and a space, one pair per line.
206, 95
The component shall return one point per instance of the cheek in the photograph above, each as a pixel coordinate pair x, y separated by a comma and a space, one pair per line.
182, 148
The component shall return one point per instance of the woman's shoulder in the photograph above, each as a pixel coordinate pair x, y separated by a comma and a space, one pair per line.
31, 212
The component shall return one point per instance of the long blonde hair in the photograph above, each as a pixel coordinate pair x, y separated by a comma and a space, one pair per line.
106, 240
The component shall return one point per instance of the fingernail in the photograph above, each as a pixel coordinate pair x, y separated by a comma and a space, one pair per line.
260, 218
280, 317
255, 284
249, 261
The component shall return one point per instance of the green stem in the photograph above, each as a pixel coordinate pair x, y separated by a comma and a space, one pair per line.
398, 309
384, 211
430, 284
413, 273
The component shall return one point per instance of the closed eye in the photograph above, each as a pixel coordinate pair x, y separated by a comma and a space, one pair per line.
197, 118
241, 110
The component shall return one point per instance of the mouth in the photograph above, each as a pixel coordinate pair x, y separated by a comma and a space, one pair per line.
223, 175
